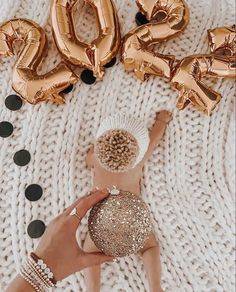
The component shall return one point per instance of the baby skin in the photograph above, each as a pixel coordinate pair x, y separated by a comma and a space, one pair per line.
128, 181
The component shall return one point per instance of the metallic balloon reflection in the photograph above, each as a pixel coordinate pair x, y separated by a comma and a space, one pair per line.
188, 73
168, 18
100, 51
32, 87
223, 40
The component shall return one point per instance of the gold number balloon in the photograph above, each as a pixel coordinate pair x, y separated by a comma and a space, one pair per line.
187, 80
189, 72
32, 87
167, 19
223, 40
92, 55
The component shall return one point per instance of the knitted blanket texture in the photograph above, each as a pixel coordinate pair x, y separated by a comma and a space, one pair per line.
188, 183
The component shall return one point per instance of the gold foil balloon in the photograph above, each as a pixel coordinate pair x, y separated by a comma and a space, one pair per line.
32, 87
92, 55
223, 40
120, 224
168, 18
187, 80
188, 73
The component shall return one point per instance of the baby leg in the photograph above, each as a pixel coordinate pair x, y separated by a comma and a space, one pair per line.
93, 274
151, 259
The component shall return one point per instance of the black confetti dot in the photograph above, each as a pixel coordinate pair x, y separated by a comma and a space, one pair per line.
87, 76
36, 229
13, 102
111, 63
6, 129
67, 89
140, 19
22, 157
33, 192
233, 66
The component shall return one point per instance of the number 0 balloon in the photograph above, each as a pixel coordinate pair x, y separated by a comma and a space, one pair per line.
32, 87
92, 56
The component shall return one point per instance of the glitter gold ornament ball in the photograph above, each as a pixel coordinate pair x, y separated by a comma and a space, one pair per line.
120, 224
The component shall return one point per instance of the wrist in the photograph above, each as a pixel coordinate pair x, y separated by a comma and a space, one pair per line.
51, 261
37, 274
19, 284
162, 121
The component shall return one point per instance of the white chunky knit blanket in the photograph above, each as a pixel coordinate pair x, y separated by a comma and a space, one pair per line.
188, 183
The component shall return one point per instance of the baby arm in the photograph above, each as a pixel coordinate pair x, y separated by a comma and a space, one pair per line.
90, 157
157, 131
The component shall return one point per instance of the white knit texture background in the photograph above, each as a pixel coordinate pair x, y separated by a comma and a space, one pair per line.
188, 183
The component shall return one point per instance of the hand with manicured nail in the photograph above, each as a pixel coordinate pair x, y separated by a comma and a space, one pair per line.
58, 247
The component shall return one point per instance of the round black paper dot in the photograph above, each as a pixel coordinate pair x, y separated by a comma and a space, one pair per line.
140, 19
6, 129
22, 157
233, 66
36, 229
87, 76
68, 89
13, 102
33, 192
111, 63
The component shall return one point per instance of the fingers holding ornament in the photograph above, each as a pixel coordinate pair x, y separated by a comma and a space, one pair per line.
82, 205
32, 87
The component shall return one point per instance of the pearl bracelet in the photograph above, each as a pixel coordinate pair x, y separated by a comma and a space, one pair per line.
37, 274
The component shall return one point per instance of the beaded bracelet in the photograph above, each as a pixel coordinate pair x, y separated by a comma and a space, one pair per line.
27, 278
37, 273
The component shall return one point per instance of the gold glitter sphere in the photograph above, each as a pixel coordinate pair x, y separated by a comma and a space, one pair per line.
120, 224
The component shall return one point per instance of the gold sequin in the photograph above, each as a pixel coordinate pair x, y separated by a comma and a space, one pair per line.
120, 224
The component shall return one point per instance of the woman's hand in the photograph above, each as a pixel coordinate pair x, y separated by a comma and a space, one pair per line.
58, 247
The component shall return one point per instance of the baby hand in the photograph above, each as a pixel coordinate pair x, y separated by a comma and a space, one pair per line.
164, 116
